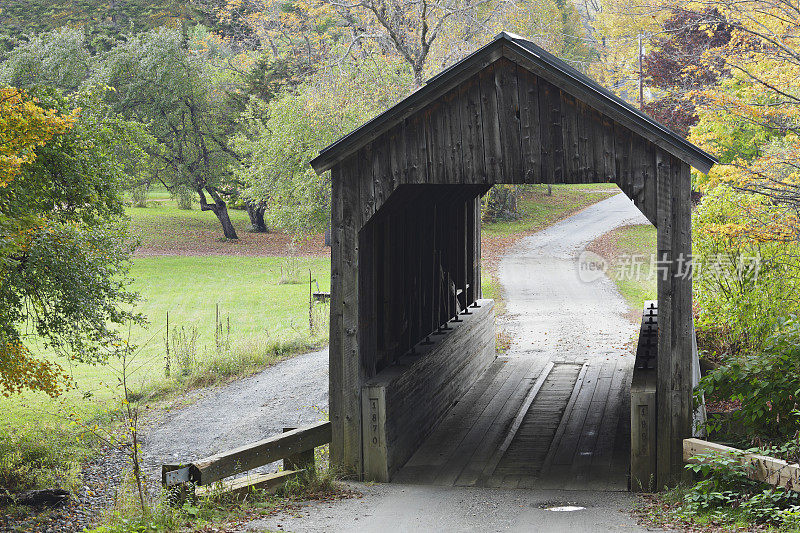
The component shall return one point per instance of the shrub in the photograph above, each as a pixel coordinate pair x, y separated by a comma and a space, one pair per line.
40, 459
767, 383
184, 348
500, 204
139, 195
185, 197
744, 283
727, 494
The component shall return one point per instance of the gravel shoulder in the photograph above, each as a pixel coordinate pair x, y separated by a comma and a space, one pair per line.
291, 393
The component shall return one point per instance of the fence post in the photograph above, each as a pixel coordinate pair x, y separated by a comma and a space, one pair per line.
299, 461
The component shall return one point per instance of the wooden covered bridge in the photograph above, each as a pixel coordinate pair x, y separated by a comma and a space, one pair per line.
410, 333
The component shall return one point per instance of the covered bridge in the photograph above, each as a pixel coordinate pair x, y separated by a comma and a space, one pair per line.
409, 330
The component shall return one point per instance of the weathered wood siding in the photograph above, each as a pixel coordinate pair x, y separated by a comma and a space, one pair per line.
504, 125
403, 403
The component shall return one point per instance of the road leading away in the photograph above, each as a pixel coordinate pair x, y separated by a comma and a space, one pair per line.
551, 307
578, 316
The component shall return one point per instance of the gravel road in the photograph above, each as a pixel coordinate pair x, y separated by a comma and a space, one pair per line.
552, 310
288, 394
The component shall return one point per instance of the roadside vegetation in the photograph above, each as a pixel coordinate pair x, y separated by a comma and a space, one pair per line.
232, 312
721, 75
630, 252
219, 511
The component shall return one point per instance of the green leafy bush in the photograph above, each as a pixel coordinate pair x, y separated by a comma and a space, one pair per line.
500, 204
766, 383
726, 492
37, 459
743, 284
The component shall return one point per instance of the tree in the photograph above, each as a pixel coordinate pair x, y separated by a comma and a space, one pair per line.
109, 19
299, 33
755, 105
58, 59
24, 126
426, 35
63, 246
668, 67
280, 138
432, 35
167, 80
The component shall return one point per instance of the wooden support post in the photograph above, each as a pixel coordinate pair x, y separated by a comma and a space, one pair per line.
344, 366
299, 461
674, 387
643, 429
177, 494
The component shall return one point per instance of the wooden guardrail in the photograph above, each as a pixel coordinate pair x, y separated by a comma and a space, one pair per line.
763, 468
294, 446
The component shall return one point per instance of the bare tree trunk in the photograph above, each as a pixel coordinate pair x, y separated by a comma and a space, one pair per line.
256, 214
219, 208
419, 81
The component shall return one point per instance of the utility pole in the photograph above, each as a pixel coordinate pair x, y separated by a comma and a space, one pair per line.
641, 75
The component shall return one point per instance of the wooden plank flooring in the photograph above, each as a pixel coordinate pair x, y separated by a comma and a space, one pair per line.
525, 456
525, 424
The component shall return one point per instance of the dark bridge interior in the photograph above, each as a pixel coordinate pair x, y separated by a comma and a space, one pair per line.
419, 268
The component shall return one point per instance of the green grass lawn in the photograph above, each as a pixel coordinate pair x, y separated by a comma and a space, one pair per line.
630, 251
537, 209
264, 299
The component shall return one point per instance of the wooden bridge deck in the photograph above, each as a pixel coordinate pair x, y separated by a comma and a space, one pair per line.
564, 426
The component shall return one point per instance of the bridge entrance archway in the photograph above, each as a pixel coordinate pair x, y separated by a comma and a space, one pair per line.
410, 332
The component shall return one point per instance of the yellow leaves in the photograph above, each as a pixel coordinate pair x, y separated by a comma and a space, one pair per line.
24, 125
20, 370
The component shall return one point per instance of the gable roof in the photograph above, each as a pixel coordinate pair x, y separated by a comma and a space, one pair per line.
543, 64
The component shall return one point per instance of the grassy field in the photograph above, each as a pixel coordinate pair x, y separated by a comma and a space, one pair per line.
163, 229
629, 251
268, 319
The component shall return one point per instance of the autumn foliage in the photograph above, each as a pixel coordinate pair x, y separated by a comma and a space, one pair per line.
24, 125
63, 251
